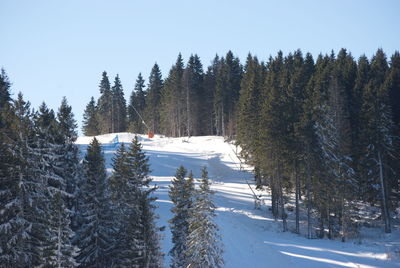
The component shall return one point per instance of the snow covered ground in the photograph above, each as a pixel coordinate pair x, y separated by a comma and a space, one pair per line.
251, 237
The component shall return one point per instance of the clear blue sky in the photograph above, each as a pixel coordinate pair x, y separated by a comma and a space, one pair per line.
57, 48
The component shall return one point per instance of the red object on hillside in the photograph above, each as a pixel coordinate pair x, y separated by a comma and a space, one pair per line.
150, 134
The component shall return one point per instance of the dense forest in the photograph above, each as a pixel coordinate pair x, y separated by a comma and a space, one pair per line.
322, 132
326, 130
59, 210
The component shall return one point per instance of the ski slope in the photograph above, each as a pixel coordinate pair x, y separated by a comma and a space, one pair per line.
251, 237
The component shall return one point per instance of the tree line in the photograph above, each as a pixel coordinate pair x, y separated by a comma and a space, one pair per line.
58, 210
61, 210
324, 129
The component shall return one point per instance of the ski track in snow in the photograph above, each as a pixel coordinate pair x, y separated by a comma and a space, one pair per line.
250, 236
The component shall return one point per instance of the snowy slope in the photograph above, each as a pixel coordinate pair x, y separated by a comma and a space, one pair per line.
251, 237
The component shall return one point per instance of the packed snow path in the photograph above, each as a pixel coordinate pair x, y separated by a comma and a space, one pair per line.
251, 237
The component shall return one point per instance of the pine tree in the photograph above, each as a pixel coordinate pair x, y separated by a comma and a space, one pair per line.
58, 250
181, 194
94, 236
307, 136
152, 111
274, 131
379, 138
204, 247
5, 85
362, 78
118, 107
302, 72
172, 101
128, 188
249, 106
210, 84
226, 95
90, 121
104, 105
67, 137
193, 89
136, 107
338, 165
128, 248
23, 195
392, 83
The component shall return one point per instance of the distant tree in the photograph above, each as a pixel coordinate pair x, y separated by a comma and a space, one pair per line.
90, 119
152, 110
136, 107
172, 102
249, 107
204, 247
119, 118
379, 135
5, 95
193, 89
274, 133
105, 105
226, 95
210, 83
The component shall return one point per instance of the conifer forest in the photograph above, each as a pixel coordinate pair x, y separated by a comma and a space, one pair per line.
321, 135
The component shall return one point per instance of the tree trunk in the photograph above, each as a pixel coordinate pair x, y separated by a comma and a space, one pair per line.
308, 171
297, 194
281, 200
223, 121
344, 220
385, 211
330, 231
188, 109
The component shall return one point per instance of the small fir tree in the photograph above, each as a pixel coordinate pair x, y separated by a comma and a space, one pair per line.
203, 245
90, 120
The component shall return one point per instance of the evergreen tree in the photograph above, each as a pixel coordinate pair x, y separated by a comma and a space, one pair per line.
129, 189
105, 105
210, 84
58, 249
338, 165
90, 121
249, 106
393, 85
118, 107
379, 136
94, 237
172, 101
301, 74
274, 131
5, 85
136, 107
71, 167
193, 90
23, 195
181, 194
317, 191
362, 78
204, 247
226, 95
152, 111
152, 256
128, 248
